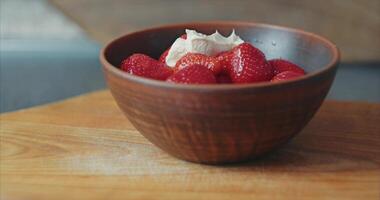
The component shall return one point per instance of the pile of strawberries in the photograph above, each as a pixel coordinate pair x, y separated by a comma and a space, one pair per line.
242, 64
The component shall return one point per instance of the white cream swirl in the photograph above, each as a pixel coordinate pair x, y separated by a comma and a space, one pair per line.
200, 43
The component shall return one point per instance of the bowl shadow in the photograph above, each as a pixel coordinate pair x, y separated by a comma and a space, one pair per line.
302, 155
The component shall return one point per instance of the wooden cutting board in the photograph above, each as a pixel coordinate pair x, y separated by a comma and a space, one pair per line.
84, 148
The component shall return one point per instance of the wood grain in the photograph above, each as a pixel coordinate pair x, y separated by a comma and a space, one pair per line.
84, 148
353, 25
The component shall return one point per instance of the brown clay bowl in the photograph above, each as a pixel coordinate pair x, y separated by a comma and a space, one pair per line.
222, 123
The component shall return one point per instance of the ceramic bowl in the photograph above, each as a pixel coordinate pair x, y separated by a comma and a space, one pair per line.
222, 123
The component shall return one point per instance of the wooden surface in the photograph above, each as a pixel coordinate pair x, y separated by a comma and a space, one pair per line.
84, 148
353, 25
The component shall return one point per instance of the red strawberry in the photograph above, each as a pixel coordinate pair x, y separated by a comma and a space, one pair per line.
184, 36
163, 56
193, 74
145, 66
286, 75
249, 65
198, 59
223, 79
280, 65
225, 58
166, 52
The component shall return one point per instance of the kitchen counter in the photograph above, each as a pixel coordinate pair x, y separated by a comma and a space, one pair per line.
84, 148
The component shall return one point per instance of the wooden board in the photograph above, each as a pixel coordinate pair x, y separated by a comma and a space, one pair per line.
84, 148
353, 25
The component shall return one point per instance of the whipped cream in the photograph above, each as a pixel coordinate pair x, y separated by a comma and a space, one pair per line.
200, 43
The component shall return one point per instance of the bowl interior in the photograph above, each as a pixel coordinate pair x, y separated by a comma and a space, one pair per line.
305, 49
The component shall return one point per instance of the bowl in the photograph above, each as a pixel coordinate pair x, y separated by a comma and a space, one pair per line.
225, 123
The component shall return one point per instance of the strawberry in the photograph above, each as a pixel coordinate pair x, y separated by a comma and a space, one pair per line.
184, 36
225, 58
248, 65
223, 79
166, 52
199, 59
145, 66
280, 65
193, 74
163, 56
286, 75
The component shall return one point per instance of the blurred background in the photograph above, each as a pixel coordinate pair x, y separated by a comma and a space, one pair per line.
49, 48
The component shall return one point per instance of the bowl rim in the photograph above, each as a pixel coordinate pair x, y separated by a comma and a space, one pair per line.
163, 84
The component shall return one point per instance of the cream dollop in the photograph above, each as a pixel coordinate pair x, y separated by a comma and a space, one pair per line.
200, 43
